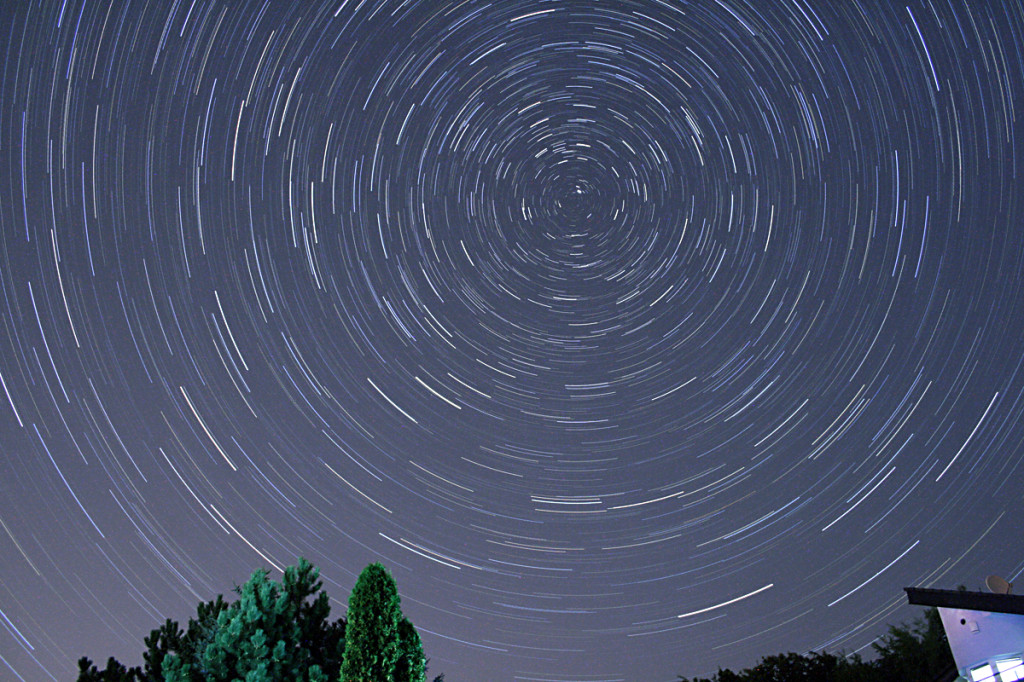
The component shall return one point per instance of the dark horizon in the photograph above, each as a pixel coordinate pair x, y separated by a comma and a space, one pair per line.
637, 338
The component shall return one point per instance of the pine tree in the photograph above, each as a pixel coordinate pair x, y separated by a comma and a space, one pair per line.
270, 633
372, 635
186, 647
114, 672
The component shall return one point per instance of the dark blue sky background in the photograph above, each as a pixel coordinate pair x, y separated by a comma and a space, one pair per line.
637, 337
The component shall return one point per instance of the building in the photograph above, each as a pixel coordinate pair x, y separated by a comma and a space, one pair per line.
985, 631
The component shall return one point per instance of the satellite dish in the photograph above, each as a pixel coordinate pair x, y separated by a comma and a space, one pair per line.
997, 585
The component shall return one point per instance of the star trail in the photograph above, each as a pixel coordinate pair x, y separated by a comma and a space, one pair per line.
636, 337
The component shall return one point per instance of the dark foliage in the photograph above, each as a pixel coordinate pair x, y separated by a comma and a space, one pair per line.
411, 666
114, 672
168, 639
918, 651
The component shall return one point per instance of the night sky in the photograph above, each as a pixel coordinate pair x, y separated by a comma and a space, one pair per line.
636, 337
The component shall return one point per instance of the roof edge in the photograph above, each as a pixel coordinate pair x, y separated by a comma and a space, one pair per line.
961, 599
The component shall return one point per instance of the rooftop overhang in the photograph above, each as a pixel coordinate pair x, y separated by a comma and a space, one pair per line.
972, 601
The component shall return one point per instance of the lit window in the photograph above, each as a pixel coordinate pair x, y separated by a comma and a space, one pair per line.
982, 672
1010, 669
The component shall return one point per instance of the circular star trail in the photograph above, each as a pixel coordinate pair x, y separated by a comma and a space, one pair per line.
637, 338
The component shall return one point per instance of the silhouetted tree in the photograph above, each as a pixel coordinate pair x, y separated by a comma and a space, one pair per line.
426, 668
918, 651
114, 672
163, 641
201, 631
792, 667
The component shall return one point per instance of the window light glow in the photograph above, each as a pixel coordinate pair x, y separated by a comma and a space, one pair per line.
982, 672
1010, 669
